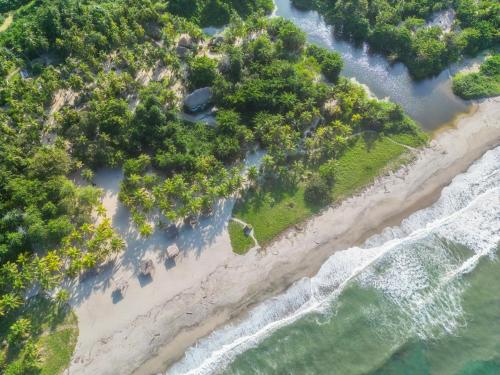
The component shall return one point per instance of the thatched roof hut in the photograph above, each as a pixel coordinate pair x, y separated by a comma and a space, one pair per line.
199, 99
147, 267
172, 251
247, 230
121, 287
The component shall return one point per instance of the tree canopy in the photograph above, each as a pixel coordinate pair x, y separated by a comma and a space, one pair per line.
402, 29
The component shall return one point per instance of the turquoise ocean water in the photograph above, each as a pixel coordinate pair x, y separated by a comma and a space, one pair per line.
421, 298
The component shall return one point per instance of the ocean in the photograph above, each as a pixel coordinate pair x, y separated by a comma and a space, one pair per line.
421, 298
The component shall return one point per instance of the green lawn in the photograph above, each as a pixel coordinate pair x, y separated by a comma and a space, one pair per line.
6, 22
272, 211
54, 330
411, 140
240, 243
57, 350
364, 161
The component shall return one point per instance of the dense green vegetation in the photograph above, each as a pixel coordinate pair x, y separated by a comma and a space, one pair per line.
41, 340
92, 84
217, 12
76, 94
398, 29
8, 5
274, 207
240, 242
482, 84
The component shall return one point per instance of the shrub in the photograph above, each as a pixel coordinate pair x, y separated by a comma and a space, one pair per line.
317, 191
330, 62
328, 170
331, 66
291, 38
491, 67
19, 332
202, 72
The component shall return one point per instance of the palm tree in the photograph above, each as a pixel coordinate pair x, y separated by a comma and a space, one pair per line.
8, 302
252, 175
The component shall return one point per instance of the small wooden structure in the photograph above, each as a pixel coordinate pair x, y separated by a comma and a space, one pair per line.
247, 230
147, 267
121, 287
172, 251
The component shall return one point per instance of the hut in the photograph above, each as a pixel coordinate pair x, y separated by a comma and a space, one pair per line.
172, 251
147, 267
247, 230
121, 287
198, 100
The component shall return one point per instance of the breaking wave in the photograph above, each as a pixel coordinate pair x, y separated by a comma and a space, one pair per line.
416, 266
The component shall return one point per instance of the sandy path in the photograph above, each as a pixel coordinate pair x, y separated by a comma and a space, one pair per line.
153, 325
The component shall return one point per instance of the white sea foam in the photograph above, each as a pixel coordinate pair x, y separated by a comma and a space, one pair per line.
412, 265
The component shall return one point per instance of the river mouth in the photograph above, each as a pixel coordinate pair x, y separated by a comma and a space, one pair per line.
430, 102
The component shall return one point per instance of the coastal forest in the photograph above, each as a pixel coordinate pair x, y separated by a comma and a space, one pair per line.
86, 85
401, 29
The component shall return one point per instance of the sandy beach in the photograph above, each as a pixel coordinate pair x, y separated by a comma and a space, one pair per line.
207, 286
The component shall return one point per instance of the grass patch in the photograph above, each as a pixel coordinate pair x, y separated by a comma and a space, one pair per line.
272, 210
57, 350
6, 22
54, 330
275, 208
410, 139
240, 243
362, 162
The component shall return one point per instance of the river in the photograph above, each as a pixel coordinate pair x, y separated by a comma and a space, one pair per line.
431, 102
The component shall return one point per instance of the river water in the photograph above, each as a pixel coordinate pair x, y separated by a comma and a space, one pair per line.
431, 102
421, 298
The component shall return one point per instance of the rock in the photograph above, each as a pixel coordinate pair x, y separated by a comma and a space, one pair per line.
199, 99
224, 64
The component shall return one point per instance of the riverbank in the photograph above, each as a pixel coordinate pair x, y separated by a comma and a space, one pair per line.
156, 321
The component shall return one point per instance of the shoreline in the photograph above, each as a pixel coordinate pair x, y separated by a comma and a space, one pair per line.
152, 327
